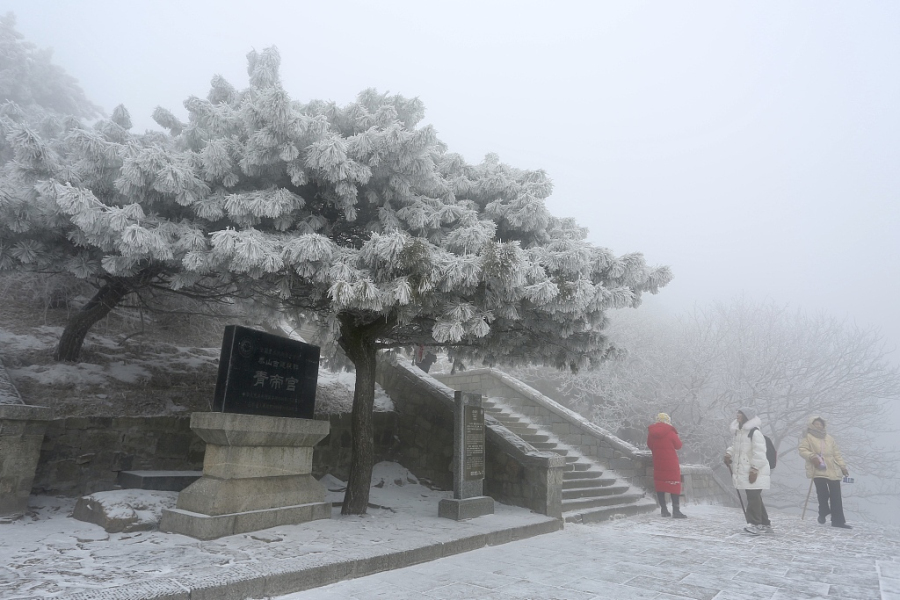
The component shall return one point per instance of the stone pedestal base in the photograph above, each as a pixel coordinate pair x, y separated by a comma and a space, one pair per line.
256, 475
22, 430
210, 527
467, 508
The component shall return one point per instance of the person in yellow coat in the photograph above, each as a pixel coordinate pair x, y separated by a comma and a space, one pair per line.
825, 466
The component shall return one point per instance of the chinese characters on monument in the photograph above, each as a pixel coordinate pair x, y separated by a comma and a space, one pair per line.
473, 442
265, 374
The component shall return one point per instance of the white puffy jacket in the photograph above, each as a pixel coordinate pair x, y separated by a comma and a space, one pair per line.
746, 453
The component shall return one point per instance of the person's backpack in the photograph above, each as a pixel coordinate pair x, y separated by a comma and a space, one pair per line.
771, 452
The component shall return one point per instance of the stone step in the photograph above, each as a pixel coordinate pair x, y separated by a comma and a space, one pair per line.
508, 418
521, 430
523, 426
541, 445
571, 473
571, 484
593, 492
584, 503
570, 468
604, 513
499, 400
589, 494
161, 481
571, 459
535, 437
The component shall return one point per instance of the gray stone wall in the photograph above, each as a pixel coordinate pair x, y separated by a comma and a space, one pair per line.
515, 473
84, 455
21, 432
424, 422
332, 455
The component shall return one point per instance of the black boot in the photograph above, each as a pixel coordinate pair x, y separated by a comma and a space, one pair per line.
676, 511
661, 496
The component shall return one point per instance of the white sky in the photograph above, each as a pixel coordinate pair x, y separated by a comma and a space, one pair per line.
753, 147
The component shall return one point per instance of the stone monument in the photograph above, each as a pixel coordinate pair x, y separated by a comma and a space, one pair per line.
468, 500
257, 471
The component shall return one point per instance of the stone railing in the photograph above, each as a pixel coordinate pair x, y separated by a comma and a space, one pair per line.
631, 463
700, 485
515, 473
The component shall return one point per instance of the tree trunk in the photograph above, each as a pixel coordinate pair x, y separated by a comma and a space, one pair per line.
106, 298
358, 341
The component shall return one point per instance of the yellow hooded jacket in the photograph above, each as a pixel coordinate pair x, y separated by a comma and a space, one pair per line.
811, 445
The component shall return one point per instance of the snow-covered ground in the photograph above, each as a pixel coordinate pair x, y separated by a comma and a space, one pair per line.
704, 557
50, 555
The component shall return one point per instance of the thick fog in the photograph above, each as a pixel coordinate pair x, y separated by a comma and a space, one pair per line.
752, 147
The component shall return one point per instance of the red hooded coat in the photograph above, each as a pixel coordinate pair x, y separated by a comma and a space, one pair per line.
663, 441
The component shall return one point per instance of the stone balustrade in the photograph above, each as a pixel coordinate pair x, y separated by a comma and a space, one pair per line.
515, 473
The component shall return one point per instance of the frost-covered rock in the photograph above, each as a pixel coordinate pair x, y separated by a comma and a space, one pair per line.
124, 510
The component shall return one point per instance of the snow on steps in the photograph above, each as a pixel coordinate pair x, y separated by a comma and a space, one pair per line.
590, 492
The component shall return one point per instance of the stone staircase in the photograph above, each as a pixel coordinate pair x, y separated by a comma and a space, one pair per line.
590, 492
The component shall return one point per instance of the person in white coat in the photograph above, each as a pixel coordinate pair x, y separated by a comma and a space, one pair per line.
746, 458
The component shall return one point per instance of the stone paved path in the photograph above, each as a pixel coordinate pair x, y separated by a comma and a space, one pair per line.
705, 557
50, 555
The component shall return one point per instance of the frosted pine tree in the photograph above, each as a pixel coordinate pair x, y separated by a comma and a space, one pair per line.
360, 217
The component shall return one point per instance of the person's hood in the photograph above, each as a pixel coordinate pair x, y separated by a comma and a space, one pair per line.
809, 423
747, 426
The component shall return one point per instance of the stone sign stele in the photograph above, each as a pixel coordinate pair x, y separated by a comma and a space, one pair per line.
468, 500
265, 374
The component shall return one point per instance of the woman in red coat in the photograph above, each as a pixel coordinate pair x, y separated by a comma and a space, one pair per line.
663, 441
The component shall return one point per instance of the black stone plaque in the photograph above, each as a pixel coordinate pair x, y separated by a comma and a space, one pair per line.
473, 442
265, 374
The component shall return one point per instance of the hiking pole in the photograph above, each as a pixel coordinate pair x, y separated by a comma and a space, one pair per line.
738, 492
803, 514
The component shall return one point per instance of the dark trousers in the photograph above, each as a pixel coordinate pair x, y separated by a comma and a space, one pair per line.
661, 496
829, 493
756, 510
